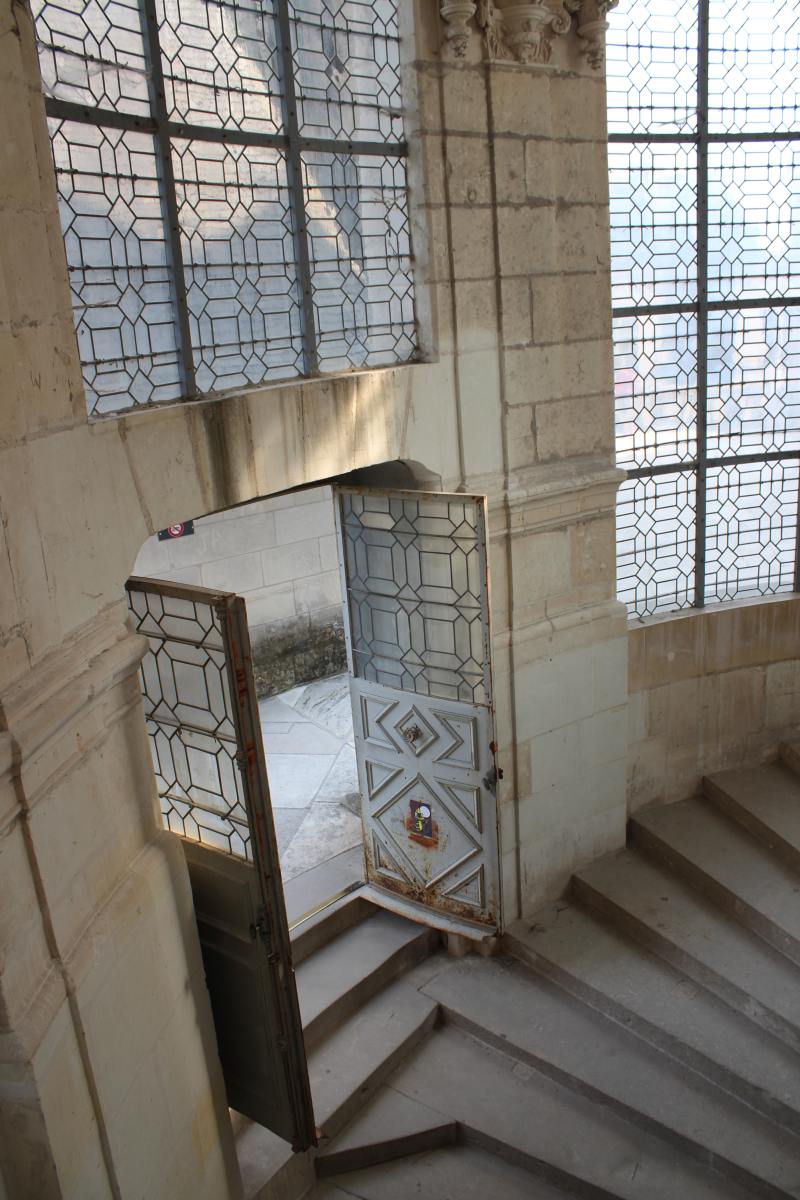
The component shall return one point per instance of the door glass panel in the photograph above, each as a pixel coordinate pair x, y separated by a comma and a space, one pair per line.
190, 721
416, 569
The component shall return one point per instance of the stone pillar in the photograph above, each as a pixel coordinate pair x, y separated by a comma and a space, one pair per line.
523, 144
109, 1080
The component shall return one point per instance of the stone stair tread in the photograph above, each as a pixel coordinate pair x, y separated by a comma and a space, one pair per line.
266, 1160
303, 892
352, 1062
463, 1172
766, 798
322, 927
388, 1126
567, 1139
735, 869
628, 983
580, 1048
677, 923
352, 966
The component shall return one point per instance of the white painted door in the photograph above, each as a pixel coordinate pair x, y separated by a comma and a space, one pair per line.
414, 579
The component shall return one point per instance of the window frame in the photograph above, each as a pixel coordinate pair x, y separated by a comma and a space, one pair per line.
699, 464
293, 145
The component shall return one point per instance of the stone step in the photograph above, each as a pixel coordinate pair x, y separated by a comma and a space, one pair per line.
342, 975
718, 858
310, 925
267, 1163
671, 1012
544, 1027
679, 925
564, 1139
327, 924
766, 802
348, 1067
461, 1172
391, 1126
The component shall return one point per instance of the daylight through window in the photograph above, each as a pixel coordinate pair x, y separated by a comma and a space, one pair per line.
232, 189
704, 155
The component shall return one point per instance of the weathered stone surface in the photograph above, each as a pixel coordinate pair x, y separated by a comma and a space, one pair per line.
710, 691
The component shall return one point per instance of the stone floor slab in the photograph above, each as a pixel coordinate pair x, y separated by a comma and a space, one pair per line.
294, 779
326, 830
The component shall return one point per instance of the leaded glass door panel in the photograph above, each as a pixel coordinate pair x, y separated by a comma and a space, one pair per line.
205, 739
414, 580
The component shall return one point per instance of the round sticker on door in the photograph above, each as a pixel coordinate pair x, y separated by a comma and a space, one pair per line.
420, 823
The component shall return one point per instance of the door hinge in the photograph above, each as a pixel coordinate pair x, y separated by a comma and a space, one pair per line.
491, 777
259, 928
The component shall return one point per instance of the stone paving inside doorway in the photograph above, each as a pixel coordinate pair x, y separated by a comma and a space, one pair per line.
311, 764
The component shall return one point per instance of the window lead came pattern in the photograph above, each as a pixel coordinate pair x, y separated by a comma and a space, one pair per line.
232, 190
704, 160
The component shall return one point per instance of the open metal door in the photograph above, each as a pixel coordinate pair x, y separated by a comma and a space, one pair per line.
205, 737
414, 579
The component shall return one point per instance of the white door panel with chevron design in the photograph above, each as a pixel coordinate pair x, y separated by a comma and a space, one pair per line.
414, 578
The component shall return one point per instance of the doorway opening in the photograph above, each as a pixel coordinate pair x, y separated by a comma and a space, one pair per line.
414, 620
279, 554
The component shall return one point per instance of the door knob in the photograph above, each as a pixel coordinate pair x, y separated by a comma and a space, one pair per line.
412, 733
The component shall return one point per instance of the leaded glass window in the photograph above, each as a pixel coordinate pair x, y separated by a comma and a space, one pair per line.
704, 157
232, 190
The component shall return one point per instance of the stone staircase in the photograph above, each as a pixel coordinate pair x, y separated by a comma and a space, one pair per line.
638, 1041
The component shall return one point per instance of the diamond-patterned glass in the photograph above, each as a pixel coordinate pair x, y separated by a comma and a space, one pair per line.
655, 383
238, 251
233, 191
360, 245
93, 53
416, 589
751, 531
118, 265
705, 269
655, 543
653, 224
190, 721
651, 53
753, 381
347, 69
220, 64
753, 80
753, 220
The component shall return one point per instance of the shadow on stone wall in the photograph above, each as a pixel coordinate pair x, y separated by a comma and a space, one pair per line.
299, 653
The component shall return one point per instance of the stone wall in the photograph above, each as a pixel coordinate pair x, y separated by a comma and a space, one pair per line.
102, 998
280, 555
710, 689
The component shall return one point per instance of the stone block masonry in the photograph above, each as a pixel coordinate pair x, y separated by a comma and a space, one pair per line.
708, 690
280, 555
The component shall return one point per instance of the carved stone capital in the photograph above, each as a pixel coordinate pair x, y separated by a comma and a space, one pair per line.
524, 32
592, 26
457, 15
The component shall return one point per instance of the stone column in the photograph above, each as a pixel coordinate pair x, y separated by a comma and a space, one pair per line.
525, 160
